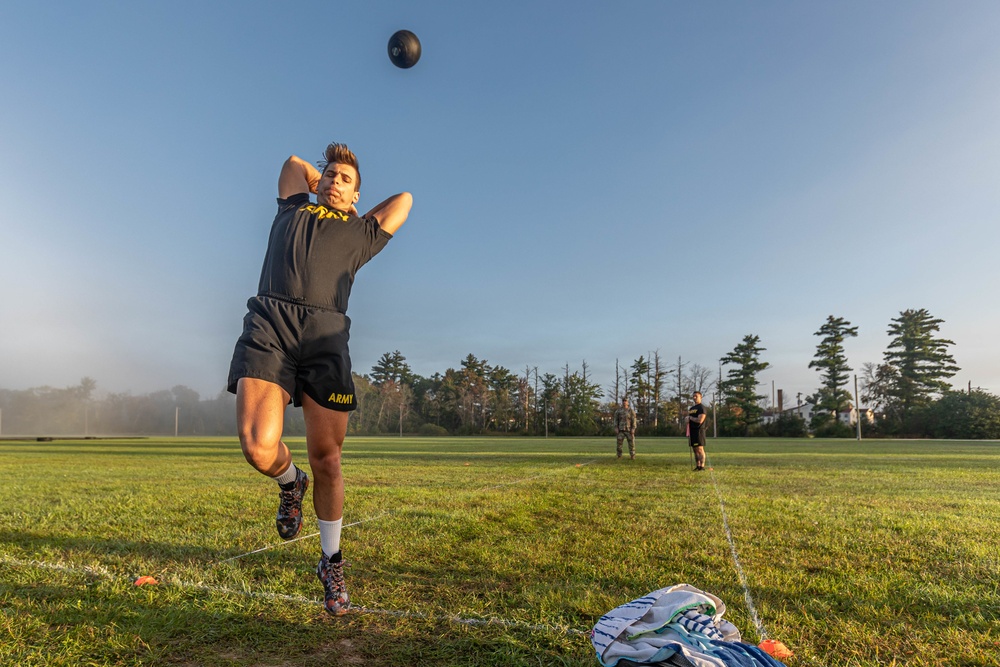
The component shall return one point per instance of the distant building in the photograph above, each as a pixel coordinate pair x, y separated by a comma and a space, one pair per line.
805, 412
851, 416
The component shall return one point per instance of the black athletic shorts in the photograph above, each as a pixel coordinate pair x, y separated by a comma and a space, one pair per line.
697, 438
303, 349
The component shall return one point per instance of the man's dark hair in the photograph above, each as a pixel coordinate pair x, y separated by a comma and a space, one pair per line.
340, 153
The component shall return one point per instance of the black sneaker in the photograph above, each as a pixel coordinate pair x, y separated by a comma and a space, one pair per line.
289, 519
331, 575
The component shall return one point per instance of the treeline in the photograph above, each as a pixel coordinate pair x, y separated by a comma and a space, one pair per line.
907, 394
475, 398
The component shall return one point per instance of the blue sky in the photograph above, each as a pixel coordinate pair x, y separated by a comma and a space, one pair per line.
592, 181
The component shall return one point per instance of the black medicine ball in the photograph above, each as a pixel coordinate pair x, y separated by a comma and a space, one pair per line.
404, 49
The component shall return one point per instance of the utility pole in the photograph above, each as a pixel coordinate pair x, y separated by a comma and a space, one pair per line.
715, 403
534, 402
857, 407
718, 394
177, 414
680, 391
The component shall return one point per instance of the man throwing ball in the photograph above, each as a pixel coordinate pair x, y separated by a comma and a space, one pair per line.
294, 343
696, 434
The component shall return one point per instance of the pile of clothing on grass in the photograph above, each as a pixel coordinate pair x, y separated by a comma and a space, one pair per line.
677, 626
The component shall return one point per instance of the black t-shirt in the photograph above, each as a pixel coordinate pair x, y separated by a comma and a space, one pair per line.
694, 411
313, 253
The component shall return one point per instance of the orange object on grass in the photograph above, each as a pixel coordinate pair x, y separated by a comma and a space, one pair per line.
142, 581
775, 649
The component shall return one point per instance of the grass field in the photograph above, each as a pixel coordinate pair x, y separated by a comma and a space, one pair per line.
497, 551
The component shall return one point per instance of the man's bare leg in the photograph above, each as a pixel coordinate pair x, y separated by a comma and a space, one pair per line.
260, 418
325, 432
699, 455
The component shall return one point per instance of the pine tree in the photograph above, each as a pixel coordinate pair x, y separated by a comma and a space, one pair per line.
832, 398
921, 360
391, 367
641, 389
742, 400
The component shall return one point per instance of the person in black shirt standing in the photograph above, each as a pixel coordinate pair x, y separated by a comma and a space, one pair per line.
696, 432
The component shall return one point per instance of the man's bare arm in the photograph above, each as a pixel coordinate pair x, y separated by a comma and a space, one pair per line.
297, 176
392, 213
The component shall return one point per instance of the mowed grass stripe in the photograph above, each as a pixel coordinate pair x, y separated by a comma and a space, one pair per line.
854, 553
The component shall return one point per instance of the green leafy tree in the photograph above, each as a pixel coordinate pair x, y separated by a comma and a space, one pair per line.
830, 360
462, 397
969, 416
788, 425
921, 361
427, 396
877, 383
743, 403
392, 378
504, 398
551, 397
578, 403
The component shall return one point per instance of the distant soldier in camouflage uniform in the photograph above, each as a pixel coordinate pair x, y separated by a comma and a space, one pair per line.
625, 428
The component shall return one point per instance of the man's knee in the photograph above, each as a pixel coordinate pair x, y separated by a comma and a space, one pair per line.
260, 443
326, 462
260, 409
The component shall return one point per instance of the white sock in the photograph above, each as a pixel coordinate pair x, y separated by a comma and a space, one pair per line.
288, 476
329, 535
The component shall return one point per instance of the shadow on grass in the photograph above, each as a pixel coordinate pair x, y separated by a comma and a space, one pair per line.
95, 621
35, 543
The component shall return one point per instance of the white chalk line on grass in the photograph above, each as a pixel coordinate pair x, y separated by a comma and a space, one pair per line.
302, 537
97, 571
305, 537
736, 558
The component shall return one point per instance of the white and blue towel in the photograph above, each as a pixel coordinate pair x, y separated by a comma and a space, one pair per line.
678, 620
